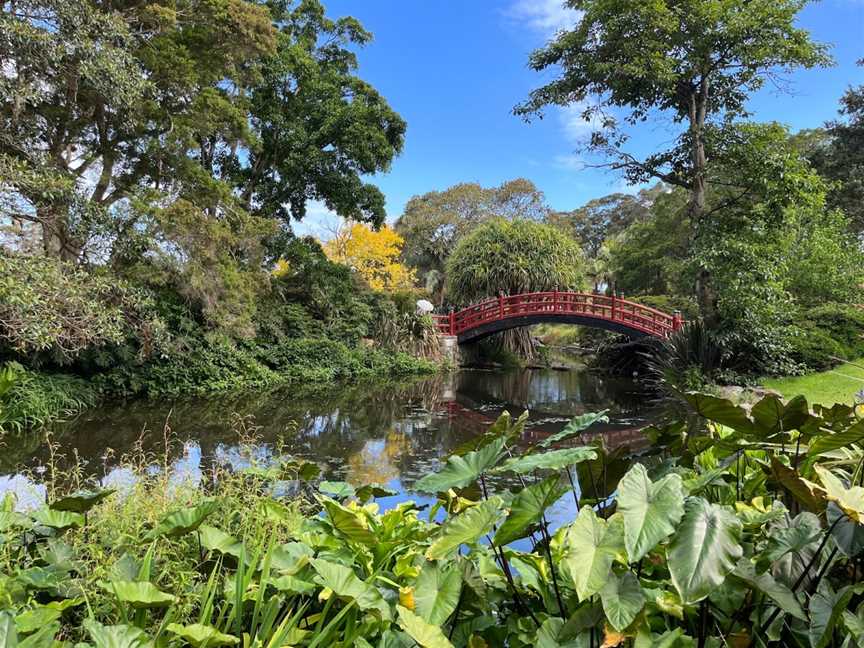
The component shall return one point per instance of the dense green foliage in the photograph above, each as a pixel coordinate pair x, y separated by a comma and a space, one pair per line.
152, 159
513, 257
315, 322
182, 110
432, 224
774, 252
741, 530
692, 61
840, 157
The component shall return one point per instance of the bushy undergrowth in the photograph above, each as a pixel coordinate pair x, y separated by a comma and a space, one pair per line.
744, 531
827, 334
82, 333
33, 398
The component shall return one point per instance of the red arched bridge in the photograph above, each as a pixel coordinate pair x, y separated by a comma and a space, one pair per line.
587, 309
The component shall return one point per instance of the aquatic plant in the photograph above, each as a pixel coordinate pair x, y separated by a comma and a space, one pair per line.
743, 530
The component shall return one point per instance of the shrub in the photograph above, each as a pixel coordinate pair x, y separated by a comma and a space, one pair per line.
29, 398
52, 308
669, 304
826, 333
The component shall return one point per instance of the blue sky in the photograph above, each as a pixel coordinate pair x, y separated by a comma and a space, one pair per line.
454, 69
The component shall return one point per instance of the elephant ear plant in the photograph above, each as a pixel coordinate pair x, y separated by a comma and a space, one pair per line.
745, 530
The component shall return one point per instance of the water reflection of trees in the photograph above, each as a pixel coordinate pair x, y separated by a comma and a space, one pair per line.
561, 392
374, 432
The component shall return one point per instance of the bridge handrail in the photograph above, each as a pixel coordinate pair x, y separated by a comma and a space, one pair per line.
604, 307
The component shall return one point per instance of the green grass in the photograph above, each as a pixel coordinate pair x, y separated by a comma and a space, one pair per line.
838, 385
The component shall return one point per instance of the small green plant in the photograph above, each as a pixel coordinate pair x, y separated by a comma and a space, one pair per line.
744, 528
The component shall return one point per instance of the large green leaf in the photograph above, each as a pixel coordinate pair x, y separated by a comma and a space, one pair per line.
575, 426
528, 506
765, 583
801, 532
213, 539
81, 501
834, 441
591, 544
60, 520
720, 410
425, 634
459, 472
348, 523
549, 635
705, 549
436, 592
337, 489
466, 527
345, 583
179, 523
651, 510
139, 594
36, 618
549, 460
202, 635
8, 631
622, 599
826, 608
117, 636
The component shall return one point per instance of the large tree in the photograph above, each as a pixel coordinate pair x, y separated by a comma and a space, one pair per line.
841, 157
513, 257
433, 223
228, 105
601, 218
692, 61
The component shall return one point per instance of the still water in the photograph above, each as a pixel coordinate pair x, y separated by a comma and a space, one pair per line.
389, 434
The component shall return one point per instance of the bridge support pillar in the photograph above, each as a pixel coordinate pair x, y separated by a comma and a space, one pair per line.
450, 350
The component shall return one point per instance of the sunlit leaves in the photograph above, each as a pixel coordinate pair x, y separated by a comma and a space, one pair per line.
202, 635
591, 544
460, 471
116, 636
527, 508
436, 592
348, 523
60, 520
850, 500
467, 527
185, 520
622, 599
549, 460
704, 550
651, 510
425, 634
337, 489
345, 583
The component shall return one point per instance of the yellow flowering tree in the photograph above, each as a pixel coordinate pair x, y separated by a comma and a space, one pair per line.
373, 254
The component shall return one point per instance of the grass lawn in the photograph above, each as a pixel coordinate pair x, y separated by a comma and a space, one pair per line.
838, 385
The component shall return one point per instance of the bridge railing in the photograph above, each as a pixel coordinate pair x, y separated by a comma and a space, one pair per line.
614, 309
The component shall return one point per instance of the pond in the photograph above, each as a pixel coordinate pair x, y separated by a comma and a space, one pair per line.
389, 434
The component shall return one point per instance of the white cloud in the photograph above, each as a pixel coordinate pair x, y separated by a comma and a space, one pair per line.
544, 16
576, 128
569, 162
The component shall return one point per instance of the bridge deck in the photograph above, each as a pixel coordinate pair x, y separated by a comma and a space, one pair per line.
511, 311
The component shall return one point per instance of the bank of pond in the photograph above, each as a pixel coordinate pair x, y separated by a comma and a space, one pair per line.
719, 525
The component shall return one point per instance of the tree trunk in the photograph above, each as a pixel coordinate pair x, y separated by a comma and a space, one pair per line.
705, 295
57, 242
